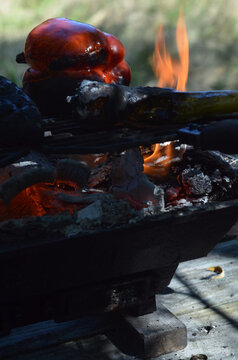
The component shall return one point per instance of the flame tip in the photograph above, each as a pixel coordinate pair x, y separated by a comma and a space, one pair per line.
170, 72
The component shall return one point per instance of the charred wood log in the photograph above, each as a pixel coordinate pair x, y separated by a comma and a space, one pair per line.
20, 122
75, 171
8, 157
13, 186
50, 94
66, 170
101, 105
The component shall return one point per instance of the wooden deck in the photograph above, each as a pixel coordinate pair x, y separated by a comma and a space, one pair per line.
208, 307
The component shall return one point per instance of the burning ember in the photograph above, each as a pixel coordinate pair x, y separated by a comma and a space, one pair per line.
158, 164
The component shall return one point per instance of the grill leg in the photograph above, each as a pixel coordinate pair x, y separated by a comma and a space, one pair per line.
149, 335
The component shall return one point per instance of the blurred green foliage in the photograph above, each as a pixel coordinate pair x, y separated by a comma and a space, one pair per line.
212, 30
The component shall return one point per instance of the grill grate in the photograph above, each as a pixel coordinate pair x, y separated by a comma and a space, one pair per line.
67, 136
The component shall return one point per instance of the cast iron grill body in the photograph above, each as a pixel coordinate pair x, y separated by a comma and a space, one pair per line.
118, 269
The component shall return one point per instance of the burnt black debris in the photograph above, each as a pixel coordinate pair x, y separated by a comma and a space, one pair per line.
210, 173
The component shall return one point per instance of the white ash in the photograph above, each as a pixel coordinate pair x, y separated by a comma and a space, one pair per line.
201, 200
159, 196
179, 204
183, 202
128, 180
34, 228
101, 214
105, 213
90, 215
151, 208
196, 182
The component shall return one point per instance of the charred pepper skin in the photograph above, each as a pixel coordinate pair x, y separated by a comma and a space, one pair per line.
61, 43
62, 52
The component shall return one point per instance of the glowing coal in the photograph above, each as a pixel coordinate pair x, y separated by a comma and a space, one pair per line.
115, 191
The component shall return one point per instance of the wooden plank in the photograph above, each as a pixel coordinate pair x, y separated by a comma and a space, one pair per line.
193, 287
149, 335
48, 333
212, 327
211, 331
209, 308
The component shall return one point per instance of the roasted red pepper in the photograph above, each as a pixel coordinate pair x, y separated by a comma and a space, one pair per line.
61, 52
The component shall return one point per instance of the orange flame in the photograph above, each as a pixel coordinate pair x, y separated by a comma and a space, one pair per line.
172, 73
158, 163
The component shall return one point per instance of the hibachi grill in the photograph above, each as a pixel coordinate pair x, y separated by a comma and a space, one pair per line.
85, 227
